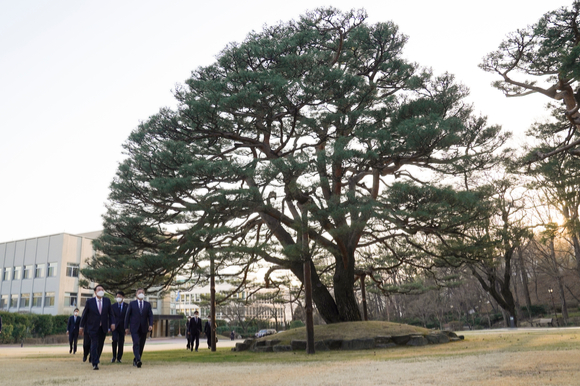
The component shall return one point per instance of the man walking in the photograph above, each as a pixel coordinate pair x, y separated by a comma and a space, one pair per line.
97, 319
72, 330
139, 320
207, 331
194, 330
187, 332
119, 312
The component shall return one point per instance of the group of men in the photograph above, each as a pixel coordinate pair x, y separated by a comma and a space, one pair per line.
193, 327
100, 316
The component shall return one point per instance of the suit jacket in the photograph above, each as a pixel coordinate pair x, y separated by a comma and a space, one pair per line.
119, 316
207, 329
73, 327
194, 327
137, 320
92, 321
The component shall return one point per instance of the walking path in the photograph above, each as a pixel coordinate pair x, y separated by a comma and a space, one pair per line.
152, 344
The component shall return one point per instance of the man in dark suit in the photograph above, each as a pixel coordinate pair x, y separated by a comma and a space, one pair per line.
72, 330
139, 319
97, 319
194, 330
187, 332
119, 311
207, 331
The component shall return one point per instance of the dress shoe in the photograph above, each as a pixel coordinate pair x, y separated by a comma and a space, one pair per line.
118, 361
70, 351
113, 360
134, 364
195, 350
84, 358
139, 364
95, 367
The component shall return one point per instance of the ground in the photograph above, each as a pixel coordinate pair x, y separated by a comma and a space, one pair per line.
498, 357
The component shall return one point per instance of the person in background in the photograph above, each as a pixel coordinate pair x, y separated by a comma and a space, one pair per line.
72, 330
207, 331
232, 335
119, 312
139, 320
97, 319
187, 332
194, 330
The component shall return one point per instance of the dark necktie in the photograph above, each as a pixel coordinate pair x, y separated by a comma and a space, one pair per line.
140, 306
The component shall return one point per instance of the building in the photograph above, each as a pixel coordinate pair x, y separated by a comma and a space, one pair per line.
252, 306
41, 275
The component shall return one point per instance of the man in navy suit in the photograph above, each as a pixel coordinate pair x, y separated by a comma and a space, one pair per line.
72, 330
194, 330
97, 319
120, 311
139, 320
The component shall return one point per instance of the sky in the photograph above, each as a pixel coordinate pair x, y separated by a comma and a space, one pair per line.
76, 77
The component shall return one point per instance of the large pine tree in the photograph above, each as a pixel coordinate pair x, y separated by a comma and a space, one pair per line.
320, 116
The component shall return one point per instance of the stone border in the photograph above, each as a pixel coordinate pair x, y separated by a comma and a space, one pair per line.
274, 345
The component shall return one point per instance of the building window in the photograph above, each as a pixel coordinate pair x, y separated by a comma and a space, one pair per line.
153, 304
17, 272
4, 302
72, 270
70, 299
13, 301
39, 271
27, 273
49, 299
24, 300
51, 270
6, 274
84, 298
37, 299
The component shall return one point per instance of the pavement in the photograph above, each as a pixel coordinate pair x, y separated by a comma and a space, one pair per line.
152, 344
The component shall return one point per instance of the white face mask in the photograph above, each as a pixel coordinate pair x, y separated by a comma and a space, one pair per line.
101, 294
76, 313
119, 300
141, 296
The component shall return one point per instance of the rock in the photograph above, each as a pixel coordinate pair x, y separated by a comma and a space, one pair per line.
450, 334
382, 340
262, 343
274, 342
437, 338
401, 340
281, 347
358, 344
454, 339
333, 344
417, 340
298, 345
242, 346
387, 345
461, 337
320, 346
264, 349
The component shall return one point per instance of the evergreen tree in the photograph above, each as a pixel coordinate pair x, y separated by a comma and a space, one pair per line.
544, 58
320, 116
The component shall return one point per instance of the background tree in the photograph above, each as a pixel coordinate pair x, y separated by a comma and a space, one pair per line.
544, 58
321, 114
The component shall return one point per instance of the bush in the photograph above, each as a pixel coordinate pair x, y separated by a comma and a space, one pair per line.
535, 309
16, 327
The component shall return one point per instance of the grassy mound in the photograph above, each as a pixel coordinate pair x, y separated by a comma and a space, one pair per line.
348, 331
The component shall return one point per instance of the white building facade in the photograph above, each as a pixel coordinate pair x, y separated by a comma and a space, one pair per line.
41, 275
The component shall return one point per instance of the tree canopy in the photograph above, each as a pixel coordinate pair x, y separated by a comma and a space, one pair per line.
544, 58
320, 115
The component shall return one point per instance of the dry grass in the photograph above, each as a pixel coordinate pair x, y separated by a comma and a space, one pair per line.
547, 357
